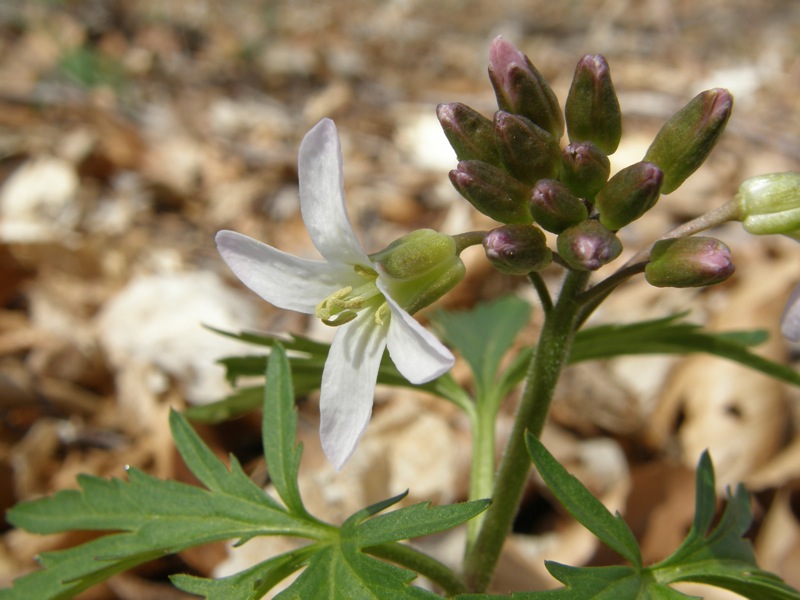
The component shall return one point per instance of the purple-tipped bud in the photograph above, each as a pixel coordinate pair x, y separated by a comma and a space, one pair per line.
686, 140
588, 246
592, 108
629, 194
554, 207
528, 151
584, 169
470, 133
517, 249
492, 191
521, 89
688, 262
790, 320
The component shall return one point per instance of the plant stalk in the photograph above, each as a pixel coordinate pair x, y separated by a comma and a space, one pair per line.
543, 373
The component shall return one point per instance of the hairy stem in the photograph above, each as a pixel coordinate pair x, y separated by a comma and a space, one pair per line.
543, 373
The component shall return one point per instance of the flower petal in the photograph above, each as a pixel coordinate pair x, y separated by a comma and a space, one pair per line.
348, 386
415, 351
281, 279
790, 320
322, 196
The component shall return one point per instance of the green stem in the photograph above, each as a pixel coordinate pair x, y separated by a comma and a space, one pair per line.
543, 373
541, 288
470, 238
729, 211
421, 563
483, 457
591, 298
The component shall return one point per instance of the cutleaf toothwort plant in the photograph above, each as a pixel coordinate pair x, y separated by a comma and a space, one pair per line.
513, 168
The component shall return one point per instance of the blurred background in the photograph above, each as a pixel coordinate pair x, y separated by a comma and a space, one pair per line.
132, 131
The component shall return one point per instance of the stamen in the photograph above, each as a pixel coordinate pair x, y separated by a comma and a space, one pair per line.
383, 313
340, 318
343, 305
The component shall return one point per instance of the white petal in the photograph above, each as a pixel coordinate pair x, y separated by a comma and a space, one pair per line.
281, 279
415, 351
790, 321
348, 386
322, 196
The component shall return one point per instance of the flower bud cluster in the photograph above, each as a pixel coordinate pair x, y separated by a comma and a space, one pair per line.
512, 168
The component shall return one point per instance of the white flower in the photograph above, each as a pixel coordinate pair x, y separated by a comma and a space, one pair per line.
790, 321
346, 289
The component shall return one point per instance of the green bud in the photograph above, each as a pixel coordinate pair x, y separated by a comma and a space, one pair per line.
592, 108
521, 89
517, 249
470, 133
588, 246
584, 169
420, 268
629, 194
492, 191
528, 151
688, 262
414, 254
686, 140
770, 204
554, 207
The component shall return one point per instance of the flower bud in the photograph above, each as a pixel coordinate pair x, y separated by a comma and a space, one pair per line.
528, 151
790, 319
521, 89
686, 140
592, 108
470, 133
517, 249
629, 194
771, 204
554, 207
420, 268
688, 262
584, 169
492, 191
588, 246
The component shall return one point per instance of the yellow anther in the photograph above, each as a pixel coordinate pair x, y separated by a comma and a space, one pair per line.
383, 313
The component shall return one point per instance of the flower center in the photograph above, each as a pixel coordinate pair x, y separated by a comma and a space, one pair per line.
343, 305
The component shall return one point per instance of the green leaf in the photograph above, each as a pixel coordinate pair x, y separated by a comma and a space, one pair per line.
155, 518
582, 505
250, 584
668, 336
342, 571
720, 557
307, 359
416, 521
597, 583
279, 431
705, 496
484, 334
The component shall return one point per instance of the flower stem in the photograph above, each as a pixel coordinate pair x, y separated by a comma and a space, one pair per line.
592, 298
470, 238
421, 563
543, 373
541, 288
730, 211
483, 456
